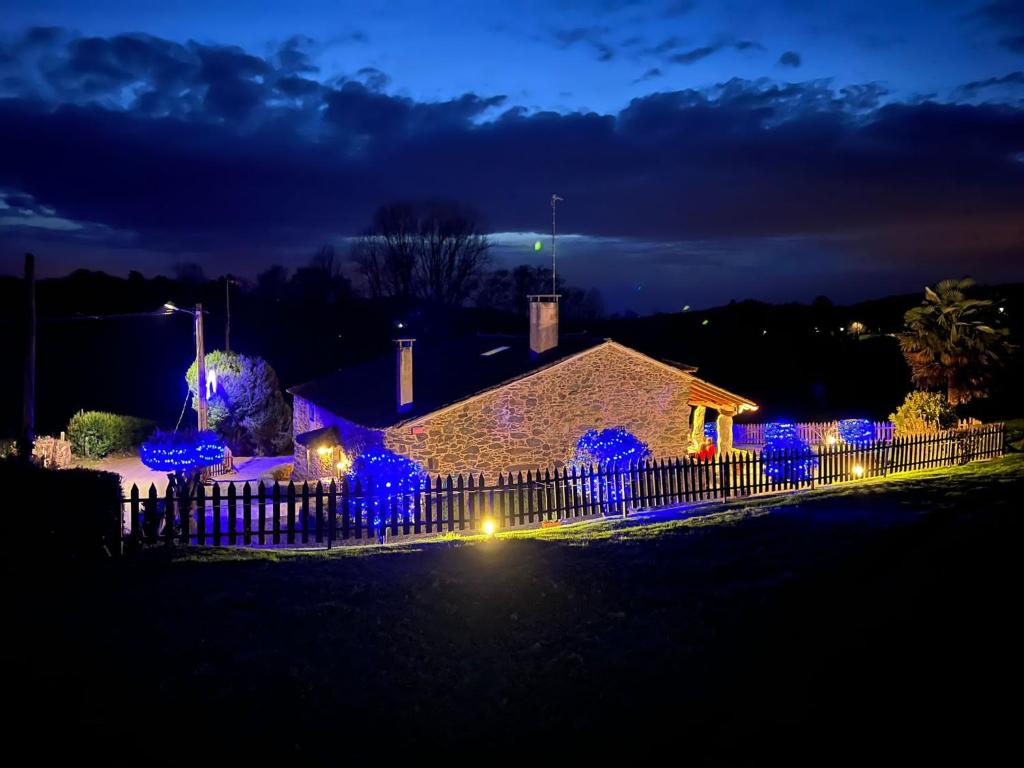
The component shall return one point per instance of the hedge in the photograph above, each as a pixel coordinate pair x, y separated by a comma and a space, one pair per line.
95, 434
71, 515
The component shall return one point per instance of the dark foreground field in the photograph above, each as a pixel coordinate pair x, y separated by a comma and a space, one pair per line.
878, 624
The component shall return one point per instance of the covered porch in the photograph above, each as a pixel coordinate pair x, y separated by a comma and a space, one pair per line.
725, 404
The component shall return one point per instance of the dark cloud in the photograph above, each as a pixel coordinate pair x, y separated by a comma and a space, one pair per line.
790, 59
374, 78
650, 74
696, 54
1006, 18
594, 37
679, 7
972, 88
206, 150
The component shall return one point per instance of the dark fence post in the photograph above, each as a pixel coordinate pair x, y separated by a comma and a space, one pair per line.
215, 504
133, 515
261, 503
319, 512
200, 514
290, 532
332, 513
232, 514
276, 504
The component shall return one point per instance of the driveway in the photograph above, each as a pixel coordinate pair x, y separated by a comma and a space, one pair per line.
134, 472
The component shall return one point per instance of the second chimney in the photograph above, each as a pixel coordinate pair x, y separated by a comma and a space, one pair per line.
403, 374
543, 322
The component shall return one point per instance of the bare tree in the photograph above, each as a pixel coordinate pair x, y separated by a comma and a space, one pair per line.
386, 252
434, 251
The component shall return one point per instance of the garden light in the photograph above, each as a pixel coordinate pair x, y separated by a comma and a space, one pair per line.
488, 528
858, 470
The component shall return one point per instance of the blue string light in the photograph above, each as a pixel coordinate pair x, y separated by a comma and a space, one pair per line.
609, 446
181, 452
386, 475
606, 448
787, 457
858, 432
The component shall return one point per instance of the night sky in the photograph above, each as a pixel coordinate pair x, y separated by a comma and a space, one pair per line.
773, 149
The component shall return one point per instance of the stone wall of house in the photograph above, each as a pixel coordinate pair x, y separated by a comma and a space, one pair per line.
536, 421
354, 438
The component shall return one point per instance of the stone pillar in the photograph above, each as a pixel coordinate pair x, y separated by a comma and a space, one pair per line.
697, 433
725, 431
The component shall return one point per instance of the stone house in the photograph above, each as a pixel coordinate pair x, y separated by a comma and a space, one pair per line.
489, 404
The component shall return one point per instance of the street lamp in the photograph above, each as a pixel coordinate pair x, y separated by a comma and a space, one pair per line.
197, 314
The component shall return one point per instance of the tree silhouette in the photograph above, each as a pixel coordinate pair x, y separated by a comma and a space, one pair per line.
433, 251
953, 342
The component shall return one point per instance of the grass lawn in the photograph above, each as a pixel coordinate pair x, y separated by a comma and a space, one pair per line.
877, 622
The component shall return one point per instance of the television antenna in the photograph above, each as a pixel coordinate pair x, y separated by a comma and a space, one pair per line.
555, 200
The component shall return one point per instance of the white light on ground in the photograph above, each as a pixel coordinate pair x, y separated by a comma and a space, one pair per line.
858, 470
488, 527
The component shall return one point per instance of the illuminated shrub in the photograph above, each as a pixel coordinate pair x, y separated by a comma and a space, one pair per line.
857, 432
182, 452
923, 412
787, 458
609, 446
384, 475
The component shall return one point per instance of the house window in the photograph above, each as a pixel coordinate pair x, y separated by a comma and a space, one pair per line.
432, 464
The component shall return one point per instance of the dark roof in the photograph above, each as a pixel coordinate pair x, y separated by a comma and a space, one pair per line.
442, 374
318, 437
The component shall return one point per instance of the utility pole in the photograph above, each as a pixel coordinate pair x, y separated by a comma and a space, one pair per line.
227, 305
201, 369
26, 439
555, 200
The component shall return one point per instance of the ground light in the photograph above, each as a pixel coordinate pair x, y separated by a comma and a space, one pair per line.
858, 470
488, 528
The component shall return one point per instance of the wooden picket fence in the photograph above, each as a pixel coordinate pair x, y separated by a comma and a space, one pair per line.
817, 432
344, 512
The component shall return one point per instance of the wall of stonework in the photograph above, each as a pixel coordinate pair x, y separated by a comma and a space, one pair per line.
536, 421
354, 438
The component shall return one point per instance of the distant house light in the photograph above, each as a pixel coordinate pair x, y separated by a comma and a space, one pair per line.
494, 351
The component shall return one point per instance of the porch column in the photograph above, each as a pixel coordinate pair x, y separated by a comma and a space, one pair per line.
697, 433
725, 430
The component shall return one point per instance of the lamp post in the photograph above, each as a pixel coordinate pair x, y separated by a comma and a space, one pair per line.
197, 315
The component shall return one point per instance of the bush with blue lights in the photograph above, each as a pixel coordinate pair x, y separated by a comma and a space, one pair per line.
182, 451
609, 446
384, 475
858, 432
614, 447
787, 458
711, 430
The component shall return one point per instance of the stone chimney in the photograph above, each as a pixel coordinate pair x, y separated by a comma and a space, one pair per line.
543, 322
403, 374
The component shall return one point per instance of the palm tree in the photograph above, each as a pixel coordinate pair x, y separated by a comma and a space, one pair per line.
952, 341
